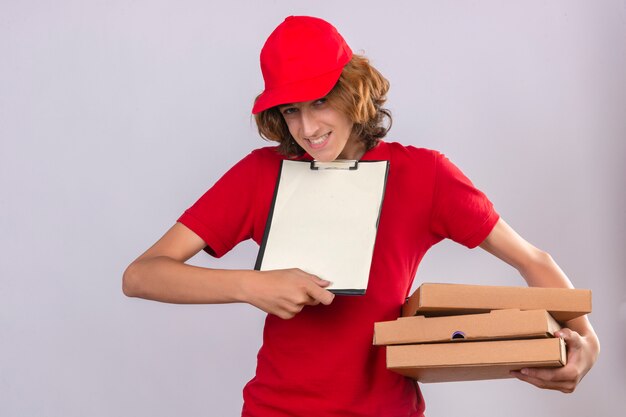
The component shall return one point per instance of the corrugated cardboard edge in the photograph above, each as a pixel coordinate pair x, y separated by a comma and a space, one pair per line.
498, 324
437, 299
446, 362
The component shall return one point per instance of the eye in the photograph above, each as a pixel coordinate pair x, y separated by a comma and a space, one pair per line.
288, 110
320, 101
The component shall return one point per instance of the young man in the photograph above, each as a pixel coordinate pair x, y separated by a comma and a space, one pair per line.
323, 102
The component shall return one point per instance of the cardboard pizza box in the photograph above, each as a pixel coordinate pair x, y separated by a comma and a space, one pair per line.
445, 362
448, 299
498, 324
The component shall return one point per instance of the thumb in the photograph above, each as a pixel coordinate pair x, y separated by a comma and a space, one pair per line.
572, 340
570, 337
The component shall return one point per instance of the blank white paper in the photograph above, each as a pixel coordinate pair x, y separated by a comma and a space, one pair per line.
324, 222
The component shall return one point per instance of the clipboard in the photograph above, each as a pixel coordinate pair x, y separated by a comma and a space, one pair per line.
324, 219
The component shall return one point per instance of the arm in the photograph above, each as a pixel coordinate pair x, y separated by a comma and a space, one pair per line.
161, 274
539, 270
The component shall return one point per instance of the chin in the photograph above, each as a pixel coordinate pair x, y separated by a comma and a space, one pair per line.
324, 157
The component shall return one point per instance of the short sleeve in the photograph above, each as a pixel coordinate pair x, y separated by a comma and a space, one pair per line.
461, 212
224, 215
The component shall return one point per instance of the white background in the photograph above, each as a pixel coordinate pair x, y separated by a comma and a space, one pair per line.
115, 116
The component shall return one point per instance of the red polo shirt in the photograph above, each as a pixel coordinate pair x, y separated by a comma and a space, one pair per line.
322, 362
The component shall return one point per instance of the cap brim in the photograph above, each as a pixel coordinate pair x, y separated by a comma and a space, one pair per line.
305, 90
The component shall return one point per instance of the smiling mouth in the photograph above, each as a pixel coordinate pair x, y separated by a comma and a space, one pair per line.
319, 142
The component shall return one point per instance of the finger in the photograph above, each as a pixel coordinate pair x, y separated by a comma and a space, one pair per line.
317, 280
285, 315
289, 310
566, 387
529, 379
563, 333
310, 300
296, 308
567, 374
572, 339
320, 294
574, 344
562, 374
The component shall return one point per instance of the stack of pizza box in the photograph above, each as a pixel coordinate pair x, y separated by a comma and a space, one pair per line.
454, 332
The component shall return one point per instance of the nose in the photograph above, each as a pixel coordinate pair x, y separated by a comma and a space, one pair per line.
309, 125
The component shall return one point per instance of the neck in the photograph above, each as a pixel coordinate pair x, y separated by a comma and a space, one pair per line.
354, 149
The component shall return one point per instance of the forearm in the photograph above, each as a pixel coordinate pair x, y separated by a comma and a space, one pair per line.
164, 279
583, 346
539, 270
281, 292
543, 271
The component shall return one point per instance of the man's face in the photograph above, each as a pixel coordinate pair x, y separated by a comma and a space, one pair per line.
321, 130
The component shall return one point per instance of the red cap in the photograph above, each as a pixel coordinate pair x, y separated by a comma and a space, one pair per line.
301, 60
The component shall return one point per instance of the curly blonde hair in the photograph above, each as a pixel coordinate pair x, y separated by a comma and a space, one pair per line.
359, 93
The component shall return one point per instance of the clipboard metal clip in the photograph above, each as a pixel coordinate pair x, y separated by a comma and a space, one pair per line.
347, 164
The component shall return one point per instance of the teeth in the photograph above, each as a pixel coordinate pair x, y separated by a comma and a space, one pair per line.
319, 140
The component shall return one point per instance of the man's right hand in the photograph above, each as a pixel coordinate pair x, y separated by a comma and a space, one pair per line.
285, 292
